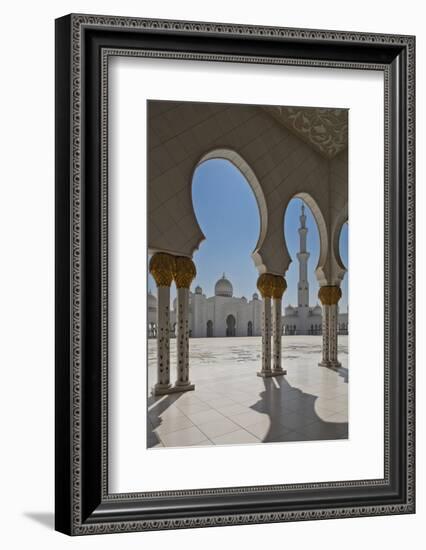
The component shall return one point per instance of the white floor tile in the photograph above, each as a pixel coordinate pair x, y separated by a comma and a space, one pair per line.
218, 427
181, 438
235, 438
173, 425
203, 417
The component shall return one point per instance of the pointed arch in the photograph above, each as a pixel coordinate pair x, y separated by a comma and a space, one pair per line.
322, 231
241, 164
231, 325
341, 219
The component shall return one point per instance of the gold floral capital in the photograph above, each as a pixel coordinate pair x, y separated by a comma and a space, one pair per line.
161, 267
266, 284
184, 272
280, 286
329, 295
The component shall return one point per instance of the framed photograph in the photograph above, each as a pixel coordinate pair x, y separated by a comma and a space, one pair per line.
234, 274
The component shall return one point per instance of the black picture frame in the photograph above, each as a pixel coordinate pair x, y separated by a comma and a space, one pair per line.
83, 504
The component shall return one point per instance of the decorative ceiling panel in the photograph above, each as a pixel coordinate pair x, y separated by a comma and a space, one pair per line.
326, 130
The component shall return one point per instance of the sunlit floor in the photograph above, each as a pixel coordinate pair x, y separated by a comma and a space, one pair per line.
231, 405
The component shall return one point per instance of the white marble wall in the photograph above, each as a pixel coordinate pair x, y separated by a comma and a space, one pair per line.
201, 309
217, 309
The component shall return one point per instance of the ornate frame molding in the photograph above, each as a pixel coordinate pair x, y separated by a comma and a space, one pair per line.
84, 505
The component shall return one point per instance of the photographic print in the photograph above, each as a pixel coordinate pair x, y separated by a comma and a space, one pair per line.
203, 263
247, 298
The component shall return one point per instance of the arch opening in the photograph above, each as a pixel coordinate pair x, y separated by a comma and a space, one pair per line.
231, 324
227, 211
344, 261
250, 177
343, 245
306, 241
319, 228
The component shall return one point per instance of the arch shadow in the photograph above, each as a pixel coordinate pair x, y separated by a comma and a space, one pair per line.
159, 405
292, 415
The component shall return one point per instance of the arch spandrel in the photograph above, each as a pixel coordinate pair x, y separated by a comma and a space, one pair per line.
273, 262
338, 182
172, 226
339, 219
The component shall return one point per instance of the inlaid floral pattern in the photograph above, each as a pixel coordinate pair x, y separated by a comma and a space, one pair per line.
325, 129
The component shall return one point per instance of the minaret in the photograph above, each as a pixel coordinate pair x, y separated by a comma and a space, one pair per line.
302, 256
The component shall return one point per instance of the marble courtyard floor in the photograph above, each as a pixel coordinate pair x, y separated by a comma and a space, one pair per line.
231, 405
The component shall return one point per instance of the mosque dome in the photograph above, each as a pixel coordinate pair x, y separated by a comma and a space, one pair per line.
289, 310
152, 302
223, 287
317, 310
255, 296
198, 290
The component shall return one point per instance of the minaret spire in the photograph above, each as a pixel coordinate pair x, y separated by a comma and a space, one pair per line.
303, 256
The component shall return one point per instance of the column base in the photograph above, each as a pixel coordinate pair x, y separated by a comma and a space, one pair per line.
270, 373
330, 364
183, 387
278, 372
161, 389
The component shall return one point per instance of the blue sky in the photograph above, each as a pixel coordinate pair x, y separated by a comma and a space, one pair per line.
227, 212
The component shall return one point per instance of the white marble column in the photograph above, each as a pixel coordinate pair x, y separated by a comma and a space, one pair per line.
325, 335
184, 274
333, 336
329, 296
266, 338
279, 289
265, 284
161, 268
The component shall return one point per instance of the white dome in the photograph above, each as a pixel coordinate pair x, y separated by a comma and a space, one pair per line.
223, 287
152, 302
289, 310
317, 310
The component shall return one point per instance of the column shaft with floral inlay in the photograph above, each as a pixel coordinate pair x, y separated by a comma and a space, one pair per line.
184, 274
265, 284
161, 267
279, 288
333, 336
325, 335
329, 296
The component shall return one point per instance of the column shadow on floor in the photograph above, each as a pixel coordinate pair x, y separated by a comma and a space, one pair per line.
157, 405
300, 423
344, 373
